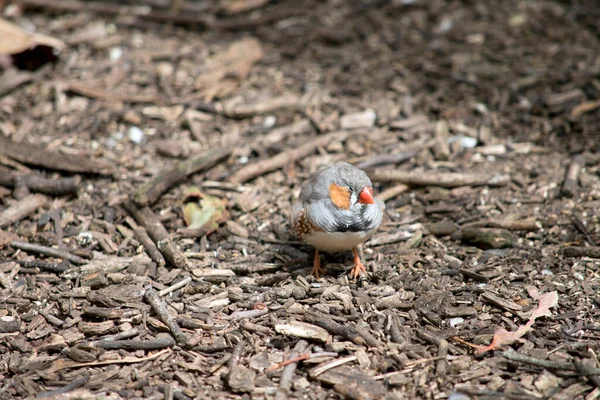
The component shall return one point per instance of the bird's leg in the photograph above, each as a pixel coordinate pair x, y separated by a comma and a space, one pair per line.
359, 268
317, 270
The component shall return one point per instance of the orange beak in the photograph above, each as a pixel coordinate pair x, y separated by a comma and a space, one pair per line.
366, 196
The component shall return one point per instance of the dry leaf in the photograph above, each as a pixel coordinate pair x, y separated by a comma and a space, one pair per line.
15, 40
503, 337
223, 72
203, 211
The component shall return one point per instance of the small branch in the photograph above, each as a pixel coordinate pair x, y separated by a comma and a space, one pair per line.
334, 328
514, 356
141, 235
74, 384
150, 191
285, 382
160, 309
447, 180
285, 157
35, 155
48, 251
392, 192
591, 252
156, 230
22, 209
175, 287
43, 265
570, 185
39, 184
135, 344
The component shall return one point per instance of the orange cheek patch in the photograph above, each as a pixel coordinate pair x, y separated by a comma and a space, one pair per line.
340, 196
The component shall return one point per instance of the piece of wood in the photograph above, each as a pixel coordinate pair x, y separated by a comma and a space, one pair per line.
156, 230
38, 183
34, 155
280, 160
48, 251
442, 179
352, 384
150, 191
22, 209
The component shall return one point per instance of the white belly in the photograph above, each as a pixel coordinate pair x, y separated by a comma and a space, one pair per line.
337, 241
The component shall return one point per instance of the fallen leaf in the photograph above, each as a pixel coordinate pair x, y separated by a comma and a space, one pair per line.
15, 40
223, 72
503, 337
202, 210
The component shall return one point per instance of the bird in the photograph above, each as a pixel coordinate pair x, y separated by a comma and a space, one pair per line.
335, 212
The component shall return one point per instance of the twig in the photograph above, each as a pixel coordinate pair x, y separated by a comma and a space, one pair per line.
134, 344
447, 180
285, 101
141, 235
22, 209
60, 364
591, 252
111, 96
39, 184
74, 384
175, 287
569, 186
334, 328
589, 371
48, 251
528, 225
237, 353
160, 309
326, 366
150, 191
441, 367
156, 230
512, 355
392, 192
44, 265
285, 157
34, 155
285, 382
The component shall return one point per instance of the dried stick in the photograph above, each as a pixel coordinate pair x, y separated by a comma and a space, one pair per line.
392, 192
74, 384
150, 191
160, 308
34, 155
39, 184
334, 328
48, 251
447, 180
280, 160
285, 382
174, 287
569, 186
591, 252
43, 265
145, 217
561, 365
141, 236
135, 344
22, 209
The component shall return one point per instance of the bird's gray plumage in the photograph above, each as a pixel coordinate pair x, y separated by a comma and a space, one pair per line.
315, 199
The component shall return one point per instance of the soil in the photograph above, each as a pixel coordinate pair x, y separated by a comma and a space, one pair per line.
477, 121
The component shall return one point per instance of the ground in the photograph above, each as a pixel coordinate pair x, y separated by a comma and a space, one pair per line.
477, 121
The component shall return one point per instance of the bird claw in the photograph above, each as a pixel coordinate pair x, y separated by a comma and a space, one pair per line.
358, 270
317, 271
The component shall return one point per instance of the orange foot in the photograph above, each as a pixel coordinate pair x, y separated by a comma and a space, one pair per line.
317, 270
359, 268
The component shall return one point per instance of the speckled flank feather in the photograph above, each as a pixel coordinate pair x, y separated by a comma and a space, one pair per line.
302, 225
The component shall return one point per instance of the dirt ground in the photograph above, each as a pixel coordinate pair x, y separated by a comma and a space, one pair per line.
478, 122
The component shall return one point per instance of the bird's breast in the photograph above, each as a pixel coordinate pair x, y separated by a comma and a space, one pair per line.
333, 242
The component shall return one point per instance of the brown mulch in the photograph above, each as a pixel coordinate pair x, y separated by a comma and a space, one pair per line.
478, 123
